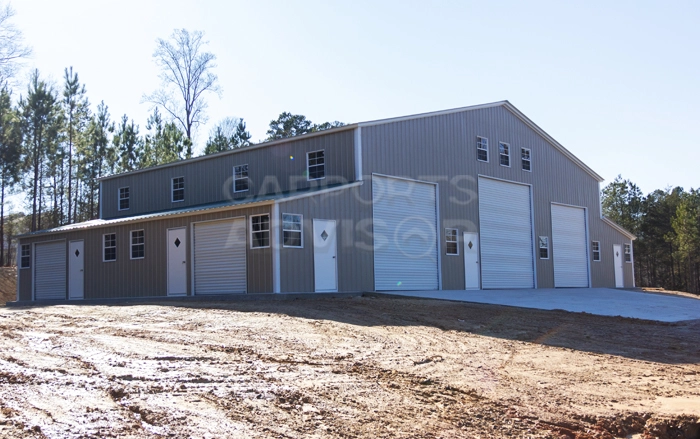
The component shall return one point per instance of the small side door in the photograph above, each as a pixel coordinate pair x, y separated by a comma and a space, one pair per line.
76, 270
177, 262
325, 256
472, 271
619, 272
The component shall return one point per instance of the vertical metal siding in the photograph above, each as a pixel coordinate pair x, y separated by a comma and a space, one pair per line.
271, 169
352, 210
147, 277
443, 149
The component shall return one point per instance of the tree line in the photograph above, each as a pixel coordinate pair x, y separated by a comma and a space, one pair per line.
667, 226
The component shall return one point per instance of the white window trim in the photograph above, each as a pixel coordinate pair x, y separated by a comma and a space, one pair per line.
482, 149
507, 155
269, 231
308, 173
119, 198
529, 154
21, 247
247, 178
456, 241
131, 244
626, 247
593, 251
104, 247
540, 247
172, 189
301, 231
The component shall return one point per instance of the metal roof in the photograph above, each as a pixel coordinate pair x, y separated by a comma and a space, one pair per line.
193, 210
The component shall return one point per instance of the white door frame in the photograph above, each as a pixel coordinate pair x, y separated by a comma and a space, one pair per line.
335, 255
618, 255
81, 273
167, 253
468, 260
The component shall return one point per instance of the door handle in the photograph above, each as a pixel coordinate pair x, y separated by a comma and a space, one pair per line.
81, 269
333, 257
184, 262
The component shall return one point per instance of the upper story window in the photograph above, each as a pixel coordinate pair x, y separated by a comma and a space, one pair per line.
178, 189
292, 230
138, 244
544, 247
482, 149
628, 253
260, 231
123, 198
109, 247
504, 153
595, 248
525, 158
316, 165
240, 178
25, 257
451, 247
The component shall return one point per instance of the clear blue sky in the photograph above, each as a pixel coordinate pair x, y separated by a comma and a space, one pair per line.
617, 83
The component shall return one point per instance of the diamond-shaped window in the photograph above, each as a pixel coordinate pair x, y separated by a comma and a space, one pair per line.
77, 253
324, 235
470, 245
177, 242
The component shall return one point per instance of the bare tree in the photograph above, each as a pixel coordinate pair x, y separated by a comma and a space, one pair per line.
186, 72
12, 48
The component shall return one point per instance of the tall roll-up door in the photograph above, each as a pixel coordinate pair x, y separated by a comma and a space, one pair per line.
569, 246
405, 234
50, 271
220, 257
505, 220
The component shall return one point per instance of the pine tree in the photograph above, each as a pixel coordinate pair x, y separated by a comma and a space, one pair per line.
10, 144
76, 109
41, 121
128, 145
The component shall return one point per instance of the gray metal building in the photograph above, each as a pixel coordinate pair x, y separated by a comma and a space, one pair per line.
472, 198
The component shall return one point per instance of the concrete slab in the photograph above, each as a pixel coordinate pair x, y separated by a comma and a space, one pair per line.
600, 301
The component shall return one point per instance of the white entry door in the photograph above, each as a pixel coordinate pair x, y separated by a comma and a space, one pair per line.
325, 256
177, 262
472, 277
76, 269
619, 274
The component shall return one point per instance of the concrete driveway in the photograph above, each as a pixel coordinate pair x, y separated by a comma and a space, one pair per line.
600, 301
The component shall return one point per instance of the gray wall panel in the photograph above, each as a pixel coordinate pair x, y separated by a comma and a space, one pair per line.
148, 277
355, 263
443, 149
206, 181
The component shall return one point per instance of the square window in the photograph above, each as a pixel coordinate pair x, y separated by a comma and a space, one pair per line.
595, 249
240, 178
628, 253
138, 244
544, 247
504, 153
482, 149
123, 198
178, 189
451, 246
25, 256
292, 230
260, 231
109, 247
525, 158
316, 165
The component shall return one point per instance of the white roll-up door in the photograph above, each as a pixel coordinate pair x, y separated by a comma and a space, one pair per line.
569, 246
505, 220
50, 270
405, 234
220, 257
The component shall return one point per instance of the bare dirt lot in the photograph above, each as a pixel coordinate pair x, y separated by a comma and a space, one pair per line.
359, 367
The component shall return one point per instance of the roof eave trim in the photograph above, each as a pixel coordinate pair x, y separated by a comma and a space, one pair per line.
430, 114
129, 220
619, 228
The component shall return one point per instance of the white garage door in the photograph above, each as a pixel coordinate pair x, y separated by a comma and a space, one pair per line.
506, 235
569, 246
50, 270
220, 257
405, 235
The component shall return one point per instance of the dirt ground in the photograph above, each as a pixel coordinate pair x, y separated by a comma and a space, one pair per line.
359, 367
8, 284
